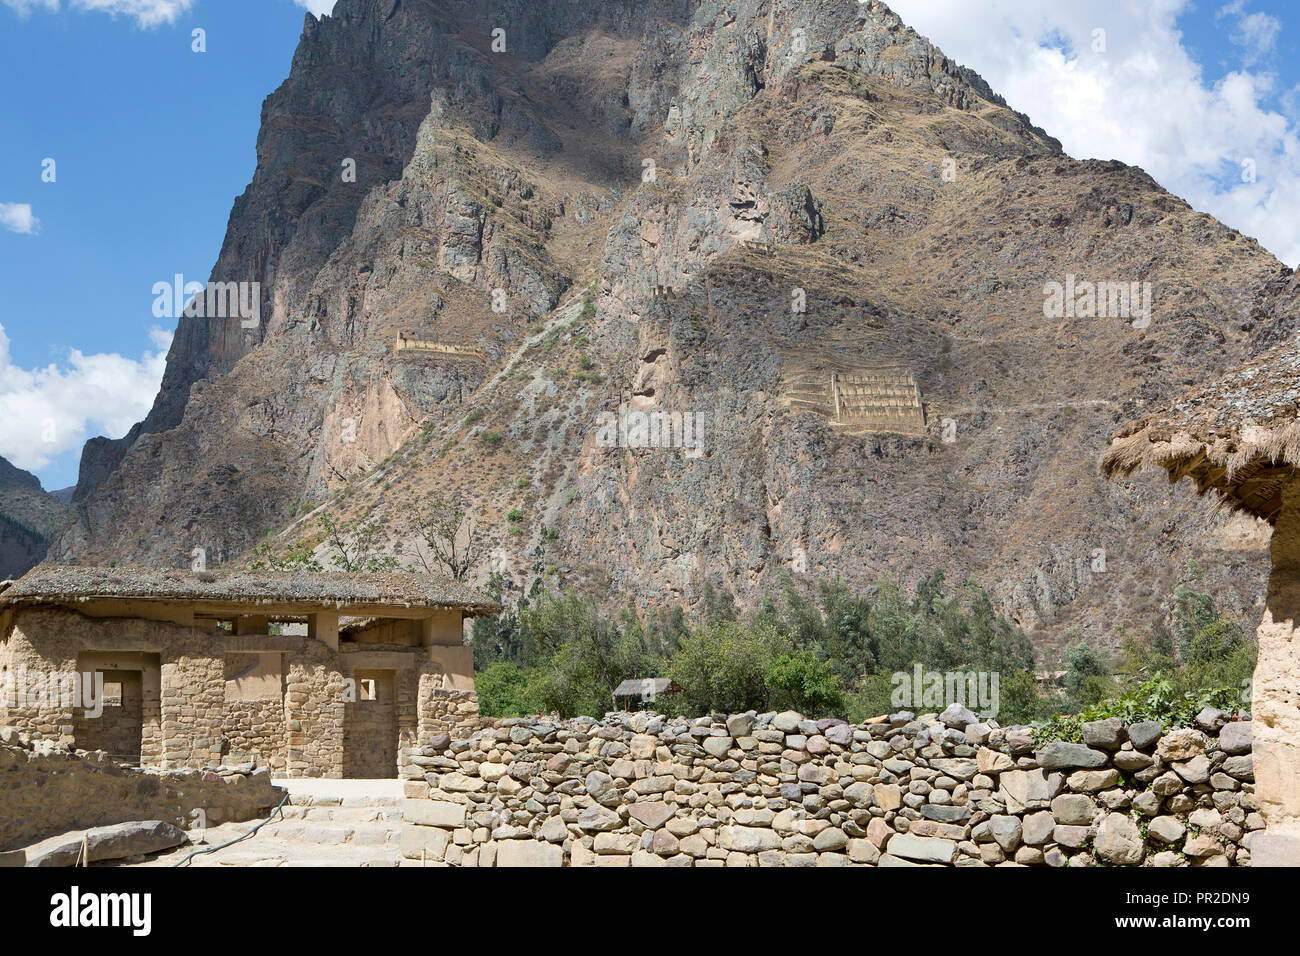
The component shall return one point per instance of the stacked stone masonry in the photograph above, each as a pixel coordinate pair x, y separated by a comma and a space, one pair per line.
179, 710
46, 790
780, 790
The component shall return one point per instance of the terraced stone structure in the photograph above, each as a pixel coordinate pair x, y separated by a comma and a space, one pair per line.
320, 675
857, 401
779, 790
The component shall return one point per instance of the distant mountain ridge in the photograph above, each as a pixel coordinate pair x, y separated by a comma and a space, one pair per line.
30, 518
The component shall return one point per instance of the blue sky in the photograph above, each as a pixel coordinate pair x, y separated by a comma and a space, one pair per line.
152, 143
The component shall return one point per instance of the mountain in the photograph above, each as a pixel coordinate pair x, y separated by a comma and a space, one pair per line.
795, 219
29, 520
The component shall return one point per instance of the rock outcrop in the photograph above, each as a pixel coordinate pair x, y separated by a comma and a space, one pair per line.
695, 209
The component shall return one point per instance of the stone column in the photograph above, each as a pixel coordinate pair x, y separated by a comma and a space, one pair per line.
1275, 708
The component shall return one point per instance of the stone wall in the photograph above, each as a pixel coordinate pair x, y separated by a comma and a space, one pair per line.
183, 686
45, 790
255, 731
776, 789
447, 712
294, 717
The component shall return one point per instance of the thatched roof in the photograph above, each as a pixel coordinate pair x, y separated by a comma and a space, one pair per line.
1239, 435
55, 584
643, 686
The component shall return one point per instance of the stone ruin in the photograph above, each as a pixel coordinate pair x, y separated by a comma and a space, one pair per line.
858, 401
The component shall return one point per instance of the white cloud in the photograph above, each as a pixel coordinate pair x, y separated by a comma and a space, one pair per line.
147, 13
317, 7
1144, 100
1256, 33
47, 411
25, 7
17, 217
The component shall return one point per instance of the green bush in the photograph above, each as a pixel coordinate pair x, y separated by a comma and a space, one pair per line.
803, 683
724, 666
1155, 699
507, 690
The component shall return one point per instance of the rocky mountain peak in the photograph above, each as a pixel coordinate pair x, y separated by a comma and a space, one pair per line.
798, 222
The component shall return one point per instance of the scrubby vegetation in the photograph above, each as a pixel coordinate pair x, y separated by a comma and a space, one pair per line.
848, 654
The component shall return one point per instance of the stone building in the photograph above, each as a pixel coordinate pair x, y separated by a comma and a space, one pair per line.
1240, 438
321, 675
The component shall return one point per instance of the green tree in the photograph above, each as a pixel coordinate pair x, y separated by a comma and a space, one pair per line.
506, 690
586, 655
1086, 676
723, 666
801, 682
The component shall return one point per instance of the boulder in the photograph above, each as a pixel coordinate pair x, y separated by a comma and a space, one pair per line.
1166, 829
1183, 743
1196, 770
1057, 754
740, 725
1118, 840
1006, 832
1074, 809
598, 819
1107, 734
106, 843
924, 849
513, 853
957, 716
1037, 828
1144, 733
1236, 737
1210, 719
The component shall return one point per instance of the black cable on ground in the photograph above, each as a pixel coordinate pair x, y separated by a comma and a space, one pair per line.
214, 849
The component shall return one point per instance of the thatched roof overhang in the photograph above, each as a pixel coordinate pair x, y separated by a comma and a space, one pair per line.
1238, 436
389, 594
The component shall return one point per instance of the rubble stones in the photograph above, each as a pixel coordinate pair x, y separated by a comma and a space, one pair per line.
904, 791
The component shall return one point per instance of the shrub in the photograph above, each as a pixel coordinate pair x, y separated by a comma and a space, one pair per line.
507, 690
803, 683
724, 665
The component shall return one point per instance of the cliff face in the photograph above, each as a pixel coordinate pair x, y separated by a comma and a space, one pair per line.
29, 519
855, 234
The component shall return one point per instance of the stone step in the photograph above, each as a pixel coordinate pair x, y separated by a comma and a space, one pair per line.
264, 850
349, 801
281, 853
331, 834
347, 815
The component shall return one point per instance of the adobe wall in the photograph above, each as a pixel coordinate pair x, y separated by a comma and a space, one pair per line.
46, 791
775, 789
1276, 705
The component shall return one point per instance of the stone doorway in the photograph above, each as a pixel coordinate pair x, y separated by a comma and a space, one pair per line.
119, 729
370, 727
